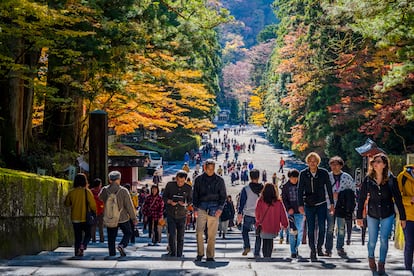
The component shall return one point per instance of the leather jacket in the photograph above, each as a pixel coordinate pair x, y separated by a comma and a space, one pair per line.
312, 189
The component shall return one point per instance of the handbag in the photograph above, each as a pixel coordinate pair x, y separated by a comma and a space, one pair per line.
90, 215
259, 227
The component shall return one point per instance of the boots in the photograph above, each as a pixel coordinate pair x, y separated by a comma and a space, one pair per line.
372, 264
381, 268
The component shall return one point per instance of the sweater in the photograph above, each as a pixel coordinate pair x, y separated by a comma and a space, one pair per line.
124, 201
209, 192
76, 199
407, 190
271, 217
175, 193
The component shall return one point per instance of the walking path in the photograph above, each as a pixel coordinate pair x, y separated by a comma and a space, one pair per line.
143, 259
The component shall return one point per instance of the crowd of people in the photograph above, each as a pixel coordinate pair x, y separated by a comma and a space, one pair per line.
313, 206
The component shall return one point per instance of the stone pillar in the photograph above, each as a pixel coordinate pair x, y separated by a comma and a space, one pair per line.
98, 146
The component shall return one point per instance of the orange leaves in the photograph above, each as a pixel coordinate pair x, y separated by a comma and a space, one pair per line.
155, 96
297, 138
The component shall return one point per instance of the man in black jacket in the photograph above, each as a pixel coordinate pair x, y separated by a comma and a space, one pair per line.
313, 182
209, 196
177, 196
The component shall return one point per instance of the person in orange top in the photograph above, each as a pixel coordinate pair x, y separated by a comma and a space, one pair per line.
96, 189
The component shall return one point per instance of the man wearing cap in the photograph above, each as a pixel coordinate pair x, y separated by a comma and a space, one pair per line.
126, 208
209, 196
177, 196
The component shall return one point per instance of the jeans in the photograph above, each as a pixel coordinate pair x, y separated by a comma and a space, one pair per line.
330, 220
248, 223
340, 238
312, 213
296, 240
204, 219
374, 225
82, 232
409, 245
113, 232
176, 229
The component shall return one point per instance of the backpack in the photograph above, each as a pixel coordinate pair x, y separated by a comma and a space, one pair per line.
111, 210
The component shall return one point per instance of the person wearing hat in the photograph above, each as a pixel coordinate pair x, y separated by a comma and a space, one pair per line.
209, 196
177, 196
186, 168
127, 209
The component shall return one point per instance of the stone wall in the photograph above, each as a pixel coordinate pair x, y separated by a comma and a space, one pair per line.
32, 215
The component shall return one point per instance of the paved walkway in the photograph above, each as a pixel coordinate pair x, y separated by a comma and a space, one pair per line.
143, 259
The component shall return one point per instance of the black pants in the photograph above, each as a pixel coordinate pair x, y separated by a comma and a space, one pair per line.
176, 228
348, 223
82, 232
267, 248
153, 230
113, 232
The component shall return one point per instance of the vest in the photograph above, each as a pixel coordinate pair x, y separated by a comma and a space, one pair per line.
250, 206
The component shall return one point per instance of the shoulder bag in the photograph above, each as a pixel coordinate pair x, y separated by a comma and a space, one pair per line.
90, 215
259, 227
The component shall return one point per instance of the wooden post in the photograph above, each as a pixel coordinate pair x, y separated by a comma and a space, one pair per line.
98, 146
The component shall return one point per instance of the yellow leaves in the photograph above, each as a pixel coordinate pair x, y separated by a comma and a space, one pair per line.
255, 104
155, 97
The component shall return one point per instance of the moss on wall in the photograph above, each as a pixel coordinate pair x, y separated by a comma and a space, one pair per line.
32, 215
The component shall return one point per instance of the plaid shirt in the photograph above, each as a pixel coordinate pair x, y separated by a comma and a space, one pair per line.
153, 207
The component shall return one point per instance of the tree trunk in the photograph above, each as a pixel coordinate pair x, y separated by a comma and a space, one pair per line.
63, 111
17, 105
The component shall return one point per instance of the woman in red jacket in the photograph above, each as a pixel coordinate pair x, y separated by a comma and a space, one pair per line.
270, 215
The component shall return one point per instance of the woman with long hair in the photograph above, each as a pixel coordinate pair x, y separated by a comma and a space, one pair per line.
270, 216
78, 199
383, 192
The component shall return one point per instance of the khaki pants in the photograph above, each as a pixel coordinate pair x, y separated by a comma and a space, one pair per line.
212, 225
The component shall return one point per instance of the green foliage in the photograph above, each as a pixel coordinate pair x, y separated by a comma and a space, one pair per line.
268, 33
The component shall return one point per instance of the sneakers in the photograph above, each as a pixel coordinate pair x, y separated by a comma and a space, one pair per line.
245, 251
80, 251
210, 260
121, 250
341, 253
198, 258
293, 255
320, 253
313, 256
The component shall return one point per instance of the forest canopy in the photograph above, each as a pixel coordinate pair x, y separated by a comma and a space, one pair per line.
149, 64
